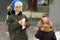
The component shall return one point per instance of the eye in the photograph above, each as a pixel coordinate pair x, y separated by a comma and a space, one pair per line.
43, 22
47, 23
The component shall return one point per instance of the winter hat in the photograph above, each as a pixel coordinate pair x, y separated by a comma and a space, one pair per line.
19, 3
13, 3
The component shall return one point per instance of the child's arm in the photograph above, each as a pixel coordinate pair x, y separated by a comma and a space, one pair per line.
39, 33
9, 8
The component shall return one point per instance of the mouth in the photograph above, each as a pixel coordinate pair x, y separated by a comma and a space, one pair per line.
45, 26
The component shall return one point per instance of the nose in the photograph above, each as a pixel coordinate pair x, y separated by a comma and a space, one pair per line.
45, 25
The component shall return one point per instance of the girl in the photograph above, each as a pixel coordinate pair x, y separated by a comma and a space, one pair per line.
16, 26
45, 31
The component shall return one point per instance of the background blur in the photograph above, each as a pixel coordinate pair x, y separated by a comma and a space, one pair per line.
34, 10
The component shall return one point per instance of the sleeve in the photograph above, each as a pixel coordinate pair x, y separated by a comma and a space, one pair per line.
12, 25
27, 22
8, 13
54, 36
38, 35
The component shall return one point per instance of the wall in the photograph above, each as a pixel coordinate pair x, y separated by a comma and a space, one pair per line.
54, 13
3, 7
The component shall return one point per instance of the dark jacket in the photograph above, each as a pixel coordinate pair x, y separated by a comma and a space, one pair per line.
41, 35
15, 30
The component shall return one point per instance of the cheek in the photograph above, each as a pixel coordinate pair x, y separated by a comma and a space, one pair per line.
20, 9
17, 9
45, 26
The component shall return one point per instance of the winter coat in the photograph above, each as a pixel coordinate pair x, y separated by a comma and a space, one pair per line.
15, 30
41, 35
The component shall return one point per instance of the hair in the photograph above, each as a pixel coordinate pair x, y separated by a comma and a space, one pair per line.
19, 3
42, 19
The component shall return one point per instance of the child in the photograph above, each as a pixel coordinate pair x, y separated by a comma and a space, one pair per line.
16, 27
10, 8
45, 31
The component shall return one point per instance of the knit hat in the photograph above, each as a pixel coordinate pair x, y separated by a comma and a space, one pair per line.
13, 3
19, 3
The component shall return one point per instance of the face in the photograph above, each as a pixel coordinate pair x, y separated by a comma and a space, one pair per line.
45, 23
18, 9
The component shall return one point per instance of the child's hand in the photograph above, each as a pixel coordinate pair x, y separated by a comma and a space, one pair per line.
9, 8
20, 22
42, 28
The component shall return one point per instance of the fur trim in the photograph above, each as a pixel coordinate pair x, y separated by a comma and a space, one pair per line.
19, 3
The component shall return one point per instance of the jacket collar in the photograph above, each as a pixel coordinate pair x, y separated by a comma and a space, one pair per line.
13, 12
20, 13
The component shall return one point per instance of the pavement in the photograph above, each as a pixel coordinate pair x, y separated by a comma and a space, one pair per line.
31, 31
5, 36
